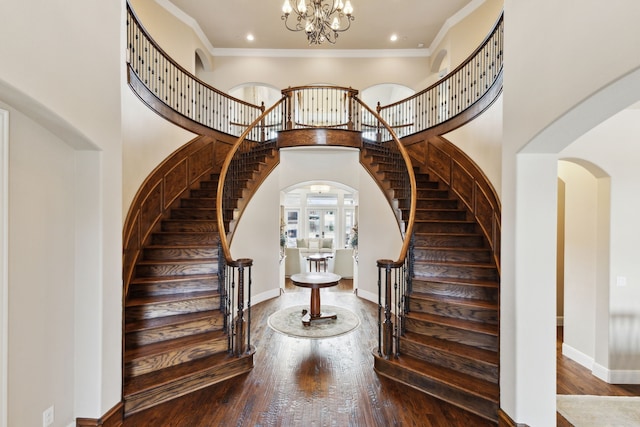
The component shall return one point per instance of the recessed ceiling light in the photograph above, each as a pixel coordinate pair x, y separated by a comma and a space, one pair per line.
393, 37
250, 37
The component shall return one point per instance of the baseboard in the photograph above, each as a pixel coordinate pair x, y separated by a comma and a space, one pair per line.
505, 420
264, 296
113, 418
616, 376
577, 356
368, 295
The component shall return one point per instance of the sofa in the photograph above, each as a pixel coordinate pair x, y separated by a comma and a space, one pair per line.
316, 245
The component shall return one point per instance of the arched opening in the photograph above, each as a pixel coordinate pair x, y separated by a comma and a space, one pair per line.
256, 93
583, 259
385, 94
319, 217
535, 174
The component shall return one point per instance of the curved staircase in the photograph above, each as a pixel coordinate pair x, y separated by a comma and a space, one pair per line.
449, 343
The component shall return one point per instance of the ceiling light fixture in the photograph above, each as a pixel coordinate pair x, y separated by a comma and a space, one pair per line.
320, 188
321, 20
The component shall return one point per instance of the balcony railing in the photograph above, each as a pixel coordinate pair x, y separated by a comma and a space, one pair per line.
179, 90
330, 107
454, 94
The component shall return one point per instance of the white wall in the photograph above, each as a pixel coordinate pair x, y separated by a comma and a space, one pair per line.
481, 140
62, 74
257, 235
580, 238
41, 274
613, 147
541, 85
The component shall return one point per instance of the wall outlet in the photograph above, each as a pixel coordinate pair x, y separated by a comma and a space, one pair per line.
47, 417
621, 281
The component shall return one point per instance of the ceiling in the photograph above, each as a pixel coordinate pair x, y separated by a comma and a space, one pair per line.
226, 23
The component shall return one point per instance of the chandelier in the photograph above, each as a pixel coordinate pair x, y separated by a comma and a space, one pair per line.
321, 20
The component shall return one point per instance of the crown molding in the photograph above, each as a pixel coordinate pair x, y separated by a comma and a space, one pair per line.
323, 53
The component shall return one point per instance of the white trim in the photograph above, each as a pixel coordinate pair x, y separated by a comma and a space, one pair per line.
322, 53
264, 296
188, 20
616, 376
4, 270
453, 20
369, 296
577, 356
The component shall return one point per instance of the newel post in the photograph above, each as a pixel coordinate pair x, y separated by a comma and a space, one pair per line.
386, 345
241, 344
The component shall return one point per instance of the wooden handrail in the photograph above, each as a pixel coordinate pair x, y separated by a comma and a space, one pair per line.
457, 91
224, 241
412, 183
197, 103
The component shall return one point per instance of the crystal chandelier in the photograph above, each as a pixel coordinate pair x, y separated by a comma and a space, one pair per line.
321, 20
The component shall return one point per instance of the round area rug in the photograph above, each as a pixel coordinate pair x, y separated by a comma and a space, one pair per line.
288, 321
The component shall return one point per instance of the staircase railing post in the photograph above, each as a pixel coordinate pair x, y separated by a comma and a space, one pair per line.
387, 326
240, 343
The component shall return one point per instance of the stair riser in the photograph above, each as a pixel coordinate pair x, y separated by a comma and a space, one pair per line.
422, 271
452, 290
485, 408
446, 215
209, 193
463, 336
179, 238
180, 253
453, 255
181, 386
194, 213
475, 368
197, 203
444, 227
176, 269
190, 225
449, 240
209, 184
436, 204
458, 311
172, 287
144, 365
145, 337
431, 193
153, 311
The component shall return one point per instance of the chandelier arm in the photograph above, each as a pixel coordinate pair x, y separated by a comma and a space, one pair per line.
321, 21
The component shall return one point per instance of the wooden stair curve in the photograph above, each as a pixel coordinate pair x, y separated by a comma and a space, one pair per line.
174, 336
449, 347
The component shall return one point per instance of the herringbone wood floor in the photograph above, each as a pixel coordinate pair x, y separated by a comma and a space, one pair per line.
330, 382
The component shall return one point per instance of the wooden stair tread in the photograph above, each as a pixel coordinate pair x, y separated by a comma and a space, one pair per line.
469, 302
178, 261
454, 264
460, 281
175, 297
159, 322
452, 248
166, 346
467, 383
454, 347
141, 383
181, 246
149, 280
469, 325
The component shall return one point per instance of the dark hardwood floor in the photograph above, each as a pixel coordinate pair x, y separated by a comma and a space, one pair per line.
295, 382
573, 378
331, 382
